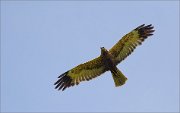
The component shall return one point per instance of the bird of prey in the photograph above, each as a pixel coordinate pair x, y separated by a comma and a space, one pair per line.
107, 61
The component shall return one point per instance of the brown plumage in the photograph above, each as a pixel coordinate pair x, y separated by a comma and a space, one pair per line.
107, 61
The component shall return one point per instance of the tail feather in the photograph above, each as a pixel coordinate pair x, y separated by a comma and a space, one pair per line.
119, 78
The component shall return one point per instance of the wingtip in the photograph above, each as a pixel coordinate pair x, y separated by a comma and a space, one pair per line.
63, 82
139, 27
146, 31
143, 25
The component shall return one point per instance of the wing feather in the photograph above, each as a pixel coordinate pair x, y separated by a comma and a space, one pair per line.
125, 46
82, 72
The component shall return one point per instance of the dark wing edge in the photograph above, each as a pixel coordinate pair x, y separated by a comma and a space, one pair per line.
63, 82
145, 31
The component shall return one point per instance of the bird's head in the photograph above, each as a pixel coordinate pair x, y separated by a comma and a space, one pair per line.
104, 51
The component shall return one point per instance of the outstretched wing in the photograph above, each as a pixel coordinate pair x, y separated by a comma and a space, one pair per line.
130, 41
80, 73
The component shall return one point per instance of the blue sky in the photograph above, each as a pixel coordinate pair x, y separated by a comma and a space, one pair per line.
42, 39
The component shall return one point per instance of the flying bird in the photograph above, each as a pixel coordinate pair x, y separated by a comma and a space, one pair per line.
107, 61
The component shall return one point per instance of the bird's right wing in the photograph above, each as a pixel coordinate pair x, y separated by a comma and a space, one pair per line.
82, 72
128, 43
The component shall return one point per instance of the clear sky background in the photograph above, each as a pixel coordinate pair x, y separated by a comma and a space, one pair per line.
41, 40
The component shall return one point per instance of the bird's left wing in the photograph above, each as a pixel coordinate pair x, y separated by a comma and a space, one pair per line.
128, 43
82, 72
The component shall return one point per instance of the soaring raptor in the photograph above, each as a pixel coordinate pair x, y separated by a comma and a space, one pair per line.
107, 61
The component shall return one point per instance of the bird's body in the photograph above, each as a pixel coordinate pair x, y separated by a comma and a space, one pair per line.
107, 61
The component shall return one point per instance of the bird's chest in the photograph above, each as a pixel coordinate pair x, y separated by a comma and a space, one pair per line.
108, 62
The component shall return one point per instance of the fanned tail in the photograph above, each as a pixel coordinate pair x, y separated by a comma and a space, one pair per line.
119, 78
